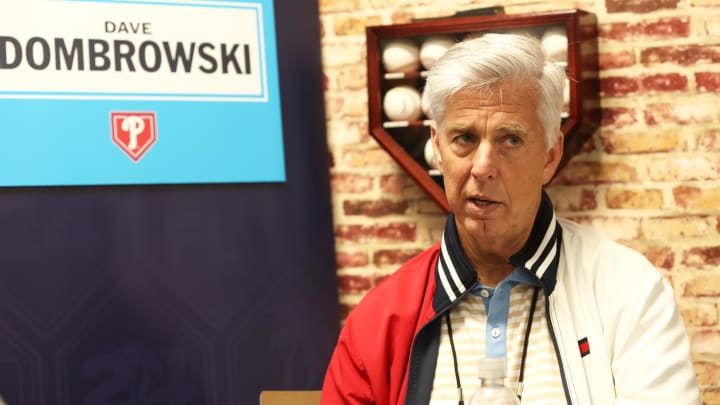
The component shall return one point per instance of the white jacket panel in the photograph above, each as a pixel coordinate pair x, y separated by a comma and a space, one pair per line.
627, 312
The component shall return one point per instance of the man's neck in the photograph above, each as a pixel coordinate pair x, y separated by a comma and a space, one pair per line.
491, 270
491, 266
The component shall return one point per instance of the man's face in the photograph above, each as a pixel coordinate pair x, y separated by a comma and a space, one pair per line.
492, 155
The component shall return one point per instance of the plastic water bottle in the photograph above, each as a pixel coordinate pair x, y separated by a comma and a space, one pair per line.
492, 390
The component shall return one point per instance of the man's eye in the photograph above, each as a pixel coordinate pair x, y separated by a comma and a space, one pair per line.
513, 140
465, 138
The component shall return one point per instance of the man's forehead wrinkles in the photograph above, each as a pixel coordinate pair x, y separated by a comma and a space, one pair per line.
512, 127
467, 123
461, 125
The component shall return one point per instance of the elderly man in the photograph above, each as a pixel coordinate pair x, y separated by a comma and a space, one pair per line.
579, 318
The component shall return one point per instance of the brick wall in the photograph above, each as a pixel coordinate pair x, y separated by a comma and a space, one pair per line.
648, 178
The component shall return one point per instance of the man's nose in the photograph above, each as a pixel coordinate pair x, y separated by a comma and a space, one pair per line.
485, 162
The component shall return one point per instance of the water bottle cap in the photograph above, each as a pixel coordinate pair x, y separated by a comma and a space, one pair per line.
492, 367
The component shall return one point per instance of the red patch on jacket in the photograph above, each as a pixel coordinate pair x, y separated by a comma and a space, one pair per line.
584, 347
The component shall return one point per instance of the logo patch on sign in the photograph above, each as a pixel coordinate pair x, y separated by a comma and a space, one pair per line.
133, 132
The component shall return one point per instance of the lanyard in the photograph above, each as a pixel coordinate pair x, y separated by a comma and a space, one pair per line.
521, 377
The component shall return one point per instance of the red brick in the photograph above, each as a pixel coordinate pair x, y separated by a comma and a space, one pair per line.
374, 208
393, 184
348, 132
664, 83
623, 198
703, 285
670, 227
711, 395
707, 342
351, 183
427, 206
334, 105
397, 232
354, 284
667, 28
619, 86
350, 105
697, 313
696, 198
658, 29
700, 113
709, 141
707, 82
685, 195
351, 259
703, 256
619, 31
401, 17
681, 55
641, 142
615, 60
639, 6
571, 199
660, 256
618, 117
683, 168
596, 173
365, 158
708, 372
350, 77
394, 257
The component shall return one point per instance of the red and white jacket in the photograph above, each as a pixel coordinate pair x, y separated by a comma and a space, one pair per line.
598, 292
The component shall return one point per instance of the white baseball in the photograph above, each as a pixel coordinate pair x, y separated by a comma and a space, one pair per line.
401, 55
433, 48
554, 42
430, 155
425, 105
566, 92
402, 103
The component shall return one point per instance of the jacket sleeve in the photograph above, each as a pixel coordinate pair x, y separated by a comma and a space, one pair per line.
346, 380
651, 360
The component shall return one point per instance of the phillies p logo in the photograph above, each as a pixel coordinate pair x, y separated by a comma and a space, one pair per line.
133, 132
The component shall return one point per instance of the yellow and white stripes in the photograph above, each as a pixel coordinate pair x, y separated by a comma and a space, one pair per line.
542, 385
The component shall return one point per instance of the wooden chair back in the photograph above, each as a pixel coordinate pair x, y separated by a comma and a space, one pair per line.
290, 397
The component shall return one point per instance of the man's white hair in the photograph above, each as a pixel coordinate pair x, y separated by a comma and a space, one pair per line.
476, 64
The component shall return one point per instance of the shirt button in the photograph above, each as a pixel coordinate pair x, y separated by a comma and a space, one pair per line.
484, 293
495, 332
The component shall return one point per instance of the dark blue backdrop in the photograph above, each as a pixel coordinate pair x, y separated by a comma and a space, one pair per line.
193, 294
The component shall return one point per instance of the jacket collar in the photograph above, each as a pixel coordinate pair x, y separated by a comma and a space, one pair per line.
540, 256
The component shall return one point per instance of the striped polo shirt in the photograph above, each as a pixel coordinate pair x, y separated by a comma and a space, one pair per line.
492, 323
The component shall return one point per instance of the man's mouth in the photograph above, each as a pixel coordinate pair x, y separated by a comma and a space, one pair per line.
481, 202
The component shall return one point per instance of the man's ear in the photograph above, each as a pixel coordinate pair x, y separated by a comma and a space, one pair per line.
553, 158
434, 138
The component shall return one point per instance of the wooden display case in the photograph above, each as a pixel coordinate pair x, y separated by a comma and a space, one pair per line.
405, 139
